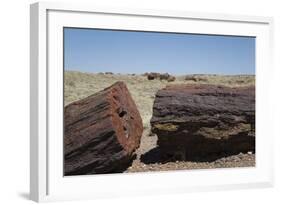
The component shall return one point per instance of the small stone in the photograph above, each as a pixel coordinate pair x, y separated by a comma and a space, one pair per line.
250, 153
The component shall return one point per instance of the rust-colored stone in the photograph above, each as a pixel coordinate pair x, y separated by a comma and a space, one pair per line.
101, 132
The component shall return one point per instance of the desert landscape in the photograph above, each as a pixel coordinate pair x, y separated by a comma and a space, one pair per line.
144, 88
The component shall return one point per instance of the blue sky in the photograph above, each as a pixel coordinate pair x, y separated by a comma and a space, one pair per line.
94, 50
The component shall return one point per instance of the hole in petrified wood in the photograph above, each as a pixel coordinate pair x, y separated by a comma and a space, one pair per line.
126, 131
122, 113
124, 119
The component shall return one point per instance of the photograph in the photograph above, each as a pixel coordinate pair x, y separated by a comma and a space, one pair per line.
148, 101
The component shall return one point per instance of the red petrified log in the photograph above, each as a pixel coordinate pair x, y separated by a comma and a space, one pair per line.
101, 132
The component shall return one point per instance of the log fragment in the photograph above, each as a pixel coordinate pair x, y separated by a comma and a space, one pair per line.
198, 120
101, 132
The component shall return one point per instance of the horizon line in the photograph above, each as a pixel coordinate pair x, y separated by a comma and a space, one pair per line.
89, 72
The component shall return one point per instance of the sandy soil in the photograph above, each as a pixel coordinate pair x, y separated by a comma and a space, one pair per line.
78, 85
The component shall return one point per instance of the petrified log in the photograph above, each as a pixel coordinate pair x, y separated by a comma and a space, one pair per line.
101, 132
197, 120
171, 78
196, 78
152, 76
164, 76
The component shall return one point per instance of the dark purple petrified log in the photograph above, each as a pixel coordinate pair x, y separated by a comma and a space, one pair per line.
196, 120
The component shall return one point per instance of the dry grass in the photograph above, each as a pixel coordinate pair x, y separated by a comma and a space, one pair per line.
79, 85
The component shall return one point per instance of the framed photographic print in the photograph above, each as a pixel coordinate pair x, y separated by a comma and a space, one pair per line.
127, 102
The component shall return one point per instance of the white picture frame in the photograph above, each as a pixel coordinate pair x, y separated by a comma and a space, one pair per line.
47, 182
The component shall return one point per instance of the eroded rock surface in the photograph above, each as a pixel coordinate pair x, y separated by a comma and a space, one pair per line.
197, 120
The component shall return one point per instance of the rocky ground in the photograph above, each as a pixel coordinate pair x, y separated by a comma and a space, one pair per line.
80, 85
